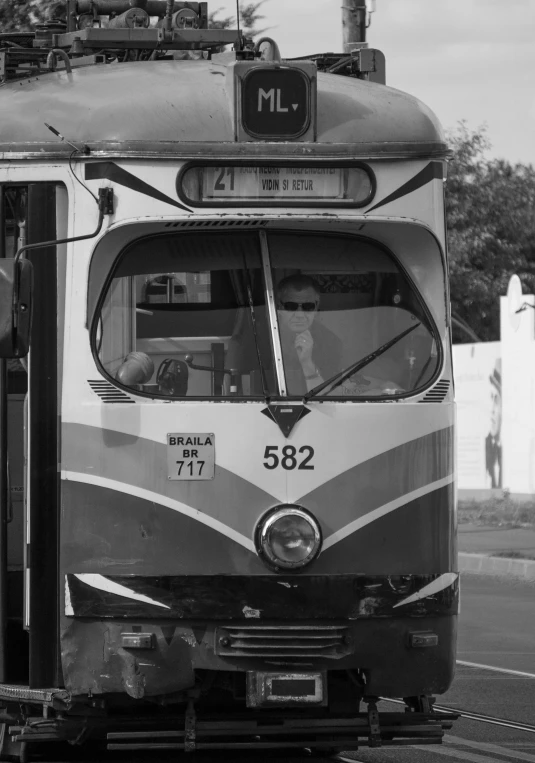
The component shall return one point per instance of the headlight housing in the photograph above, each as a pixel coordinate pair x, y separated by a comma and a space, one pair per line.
288, 537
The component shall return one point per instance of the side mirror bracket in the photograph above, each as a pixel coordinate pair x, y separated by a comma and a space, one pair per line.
16, 283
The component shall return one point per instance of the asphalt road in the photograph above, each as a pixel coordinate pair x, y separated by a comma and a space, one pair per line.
497, 628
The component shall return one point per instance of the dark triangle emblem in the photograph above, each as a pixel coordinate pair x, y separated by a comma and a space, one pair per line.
168, 631
198, 632
286, 416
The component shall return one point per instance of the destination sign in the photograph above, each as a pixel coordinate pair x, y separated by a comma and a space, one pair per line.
255, 183
282, 185
276, 102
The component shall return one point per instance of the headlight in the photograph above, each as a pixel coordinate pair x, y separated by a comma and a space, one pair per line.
289, 537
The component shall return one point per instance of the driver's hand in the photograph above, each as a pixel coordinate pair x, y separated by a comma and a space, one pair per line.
304, 344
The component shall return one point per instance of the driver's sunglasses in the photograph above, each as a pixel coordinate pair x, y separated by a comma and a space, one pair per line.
293, 307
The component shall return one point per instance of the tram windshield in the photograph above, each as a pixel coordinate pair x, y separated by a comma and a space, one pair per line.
259, 315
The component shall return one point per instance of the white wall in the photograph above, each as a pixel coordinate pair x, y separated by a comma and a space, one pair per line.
473, 367
518, 431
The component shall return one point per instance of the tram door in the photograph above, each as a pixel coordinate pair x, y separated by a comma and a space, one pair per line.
33, 213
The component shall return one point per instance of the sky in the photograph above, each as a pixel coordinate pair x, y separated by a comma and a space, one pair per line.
470, 60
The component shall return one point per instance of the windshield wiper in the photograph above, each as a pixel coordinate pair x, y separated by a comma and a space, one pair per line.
341, 376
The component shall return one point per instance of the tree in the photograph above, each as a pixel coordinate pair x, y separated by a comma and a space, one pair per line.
249, 18
21, 15
491, 230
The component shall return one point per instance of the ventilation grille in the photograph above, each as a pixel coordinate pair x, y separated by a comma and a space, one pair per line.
282, 641
438, 393
217, 224
109, 393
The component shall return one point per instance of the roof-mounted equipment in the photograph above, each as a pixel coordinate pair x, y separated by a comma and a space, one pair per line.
361, 62
102, 31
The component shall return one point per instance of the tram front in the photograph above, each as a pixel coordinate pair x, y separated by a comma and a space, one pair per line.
257, 420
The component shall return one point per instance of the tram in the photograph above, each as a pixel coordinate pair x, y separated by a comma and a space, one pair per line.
227, 453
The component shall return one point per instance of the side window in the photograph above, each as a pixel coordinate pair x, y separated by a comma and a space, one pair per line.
166, 288
173, 288
15, 235
32, 213
15, 208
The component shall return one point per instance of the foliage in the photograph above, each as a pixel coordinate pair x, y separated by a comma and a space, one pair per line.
249, 18
491, 230
21, 15
500, 511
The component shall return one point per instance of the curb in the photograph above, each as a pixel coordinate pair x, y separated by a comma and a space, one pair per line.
497, 565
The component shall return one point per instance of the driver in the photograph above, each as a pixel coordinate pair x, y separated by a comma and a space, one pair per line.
311, 352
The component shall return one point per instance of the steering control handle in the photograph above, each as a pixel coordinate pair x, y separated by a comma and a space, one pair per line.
191, 364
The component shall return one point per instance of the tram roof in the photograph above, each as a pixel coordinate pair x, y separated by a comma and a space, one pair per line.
185, 108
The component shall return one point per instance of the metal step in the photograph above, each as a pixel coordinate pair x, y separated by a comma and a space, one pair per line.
346, 733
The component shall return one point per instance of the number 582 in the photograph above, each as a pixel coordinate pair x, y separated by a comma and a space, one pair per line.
288, 457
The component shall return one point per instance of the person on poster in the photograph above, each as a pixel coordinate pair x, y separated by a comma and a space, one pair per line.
493, 443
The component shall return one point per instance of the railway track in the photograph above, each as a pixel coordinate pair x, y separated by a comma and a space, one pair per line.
475, 716
481, 717
466, 749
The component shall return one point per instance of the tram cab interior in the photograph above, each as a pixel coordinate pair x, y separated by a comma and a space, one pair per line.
195, 306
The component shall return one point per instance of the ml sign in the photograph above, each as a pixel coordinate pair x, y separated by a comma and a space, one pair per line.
278, 102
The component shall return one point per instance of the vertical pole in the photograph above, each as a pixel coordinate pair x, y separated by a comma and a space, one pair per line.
70, 12
353, 23
43, 475
4, 483
169, 15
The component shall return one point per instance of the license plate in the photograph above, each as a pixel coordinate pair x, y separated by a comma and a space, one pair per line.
265, 689
190, 456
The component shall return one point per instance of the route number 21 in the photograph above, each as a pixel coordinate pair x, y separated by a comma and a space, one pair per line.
288, 457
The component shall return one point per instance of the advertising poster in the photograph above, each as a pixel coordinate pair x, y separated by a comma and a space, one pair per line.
478, 391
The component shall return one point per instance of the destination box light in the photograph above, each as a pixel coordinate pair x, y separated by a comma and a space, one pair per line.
276, 103
274, 100
257, 185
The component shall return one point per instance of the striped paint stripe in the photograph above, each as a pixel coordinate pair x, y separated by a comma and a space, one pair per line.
439, 584
229, 532
434, 170
238, 496
381, 511
69, 611
158, 498
104, 584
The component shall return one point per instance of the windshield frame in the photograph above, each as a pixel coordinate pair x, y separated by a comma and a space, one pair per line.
274, 333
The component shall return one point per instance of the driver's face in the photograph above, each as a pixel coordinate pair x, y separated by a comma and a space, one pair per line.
293, 316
